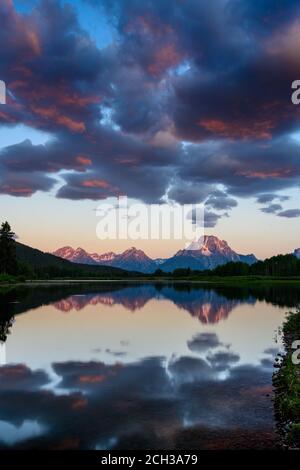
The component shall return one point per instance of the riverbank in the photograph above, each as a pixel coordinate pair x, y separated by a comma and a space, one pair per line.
8, 279
287, 385
216, 280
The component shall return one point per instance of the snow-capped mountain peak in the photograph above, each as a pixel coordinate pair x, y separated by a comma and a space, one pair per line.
205, 253
209, 244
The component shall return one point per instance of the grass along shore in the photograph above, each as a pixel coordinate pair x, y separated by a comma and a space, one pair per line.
205, 279
287, 385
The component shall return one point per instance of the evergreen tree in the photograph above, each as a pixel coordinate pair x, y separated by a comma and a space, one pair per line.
8, 259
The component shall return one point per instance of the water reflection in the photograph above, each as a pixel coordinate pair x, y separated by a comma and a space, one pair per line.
206, 305
139, 366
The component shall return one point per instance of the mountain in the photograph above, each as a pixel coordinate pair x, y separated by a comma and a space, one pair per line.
46, 263
105, 258
83, 257
297, 253
76, 256
206, 253
130, 260
134, 260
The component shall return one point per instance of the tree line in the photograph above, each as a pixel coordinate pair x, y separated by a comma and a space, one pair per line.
8, 257
277, 266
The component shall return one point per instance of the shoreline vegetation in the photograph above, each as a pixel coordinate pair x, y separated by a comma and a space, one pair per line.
6, 279
230, 281
286, 383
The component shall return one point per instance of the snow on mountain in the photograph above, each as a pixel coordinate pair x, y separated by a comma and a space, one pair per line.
206, 253
76, 256
131, 259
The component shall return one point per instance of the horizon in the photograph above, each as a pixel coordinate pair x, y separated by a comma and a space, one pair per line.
127, 100
133, 247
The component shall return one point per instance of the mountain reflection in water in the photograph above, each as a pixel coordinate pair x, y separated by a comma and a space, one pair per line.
206, 305
191, 368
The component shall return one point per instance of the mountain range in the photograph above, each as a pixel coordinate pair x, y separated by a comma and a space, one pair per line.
206, 253
46, 263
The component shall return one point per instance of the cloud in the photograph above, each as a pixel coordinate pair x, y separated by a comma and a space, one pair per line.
84, 375
188, 369
290, 213
265, 198
211, 219
159, 110
24, 184
222, 360
20, 377
56, 82
246, 169
272, 351
203, 342
271, 209
219, 200
206, 218
142, 399
185, 192
120, 161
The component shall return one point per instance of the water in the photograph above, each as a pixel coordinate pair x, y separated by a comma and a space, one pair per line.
112, 365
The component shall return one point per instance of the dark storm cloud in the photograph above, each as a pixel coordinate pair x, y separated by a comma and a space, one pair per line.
272, 351
250, 100
142, 400
219, 200
245, 168
203, 342
107, 164
185, 192
53, 70
20, 377
24, 184
211, 219
267, 363
194, 29
85, 375
252, 104
290, 213
215, 74
50, 157
223, 360
271, 209
190, 369
141, 184
265, 15
205, 218
265, 198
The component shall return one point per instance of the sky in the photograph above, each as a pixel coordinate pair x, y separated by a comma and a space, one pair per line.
181, 100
